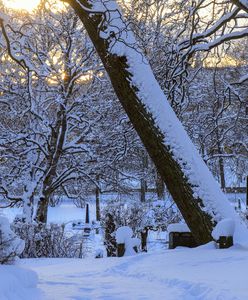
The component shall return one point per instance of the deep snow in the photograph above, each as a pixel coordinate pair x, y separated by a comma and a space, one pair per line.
203, 273
17, 283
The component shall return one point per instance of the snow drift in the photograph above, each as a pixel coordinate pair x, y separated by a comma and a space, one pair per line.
18, 284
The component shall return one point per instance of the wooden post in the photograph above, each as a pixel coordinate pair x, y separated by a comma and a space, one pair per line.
144, 235
120, 250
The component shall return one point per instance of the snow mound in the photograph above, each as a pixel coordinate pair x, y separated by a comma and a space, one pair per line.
225, 227
10, 244
123, 234
178, 227
129, 246
18, 284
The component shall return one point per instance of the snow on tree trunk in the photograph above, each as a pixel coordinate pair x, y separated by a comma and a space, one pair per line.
28, 201
192, 186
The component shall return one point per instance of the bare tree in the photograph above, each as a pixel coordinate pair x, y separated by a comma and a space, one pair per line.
62, 131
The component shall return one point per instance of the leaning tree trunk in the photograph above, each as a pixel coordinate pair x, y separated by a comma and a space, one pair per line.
160, 187
187, 178
98, 192
143, 182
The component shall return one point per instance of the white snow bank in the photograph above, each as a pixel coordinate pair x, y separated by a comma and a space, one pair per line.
225, 227
210, 245
18, 284
192, 274
178, 227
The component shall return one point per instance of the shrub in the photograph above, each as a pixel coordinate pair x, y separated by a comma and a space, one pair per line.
10, 245
49, 241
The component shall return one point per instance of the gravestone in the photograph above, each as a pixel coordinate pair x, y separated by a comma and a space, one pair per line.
180, 235
225, 242
87, 226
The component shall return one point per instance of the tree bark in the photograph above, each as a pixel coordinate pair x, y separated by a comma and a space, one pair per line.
98, 210
55, 147
58, 135
143, 119
222, 174
109, 239
143, 182
42, 209
160, 188
246, 192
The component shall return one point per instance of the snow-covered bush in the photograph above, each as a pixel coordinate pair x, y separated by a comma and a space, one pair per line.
158, 214
164, 213
10, 245
48, 240
140, 217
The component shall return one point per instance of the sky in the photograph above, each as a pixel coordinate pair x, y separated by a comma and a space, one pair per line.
28, 5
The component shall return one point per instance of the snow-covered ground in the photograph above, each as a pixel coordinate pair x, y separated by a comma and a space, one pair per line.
202, 273
63, 213
17, 283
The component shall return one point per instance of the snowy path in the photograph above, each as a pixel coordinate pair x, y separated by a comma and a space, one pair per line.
174, 275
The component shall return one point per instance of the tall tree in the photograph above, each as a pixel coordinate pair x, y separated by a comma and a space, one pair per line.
62, 132
190, 183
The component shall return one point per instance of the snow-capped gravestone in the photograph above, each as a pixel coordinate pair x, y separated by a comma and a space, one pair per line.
10, 245
126, 244
223, 233
180, 235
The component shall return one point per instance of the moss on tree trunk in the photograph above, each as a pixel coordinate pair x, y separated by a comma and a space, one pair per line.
172, 174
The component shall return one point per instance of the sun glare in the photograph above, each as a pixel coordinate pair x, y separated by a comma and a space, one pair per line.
27, 5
